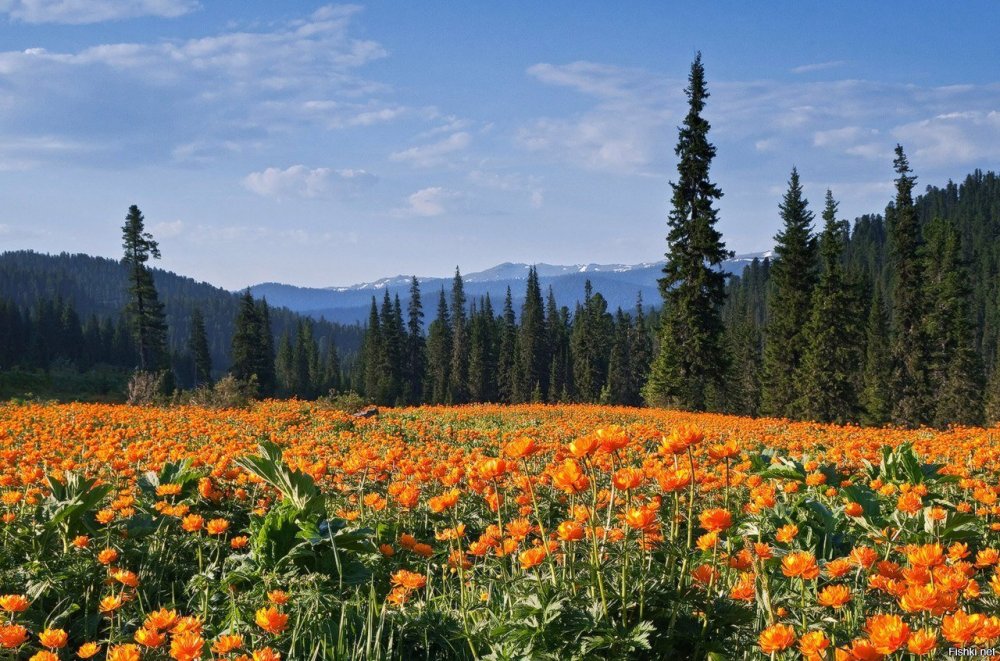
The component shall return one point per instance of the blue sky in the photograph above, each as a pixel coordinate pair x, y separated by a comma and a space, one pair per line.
321, 144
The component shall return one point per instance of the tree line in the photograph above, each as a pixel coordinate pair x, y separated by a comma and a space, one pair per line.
472, 352
880, 325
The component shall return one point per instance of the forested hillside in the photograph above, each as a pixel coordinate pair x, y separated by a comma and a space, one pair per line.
96, 287
957, 259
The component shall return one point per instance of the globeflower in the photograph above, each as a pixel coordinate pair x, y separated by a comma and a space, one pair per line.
887, 633
776, 638
715, 520
271, 620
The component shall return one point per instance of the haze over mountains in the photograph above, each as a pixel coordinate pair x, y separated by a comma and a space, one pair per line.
620, 284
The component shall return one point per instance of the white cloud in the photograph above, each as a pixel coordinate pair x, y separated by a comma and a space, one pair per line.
537, 199
300, 181
818, 66
953, 138
232, 88
428, 202
436, 153
167, 229
78, 12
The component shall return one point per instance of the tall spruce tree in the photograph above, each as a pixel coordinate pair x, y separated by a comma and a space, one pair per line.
459, 342
253, 346
438, 382
267, 379
201, 358
911, 400
507, 354
793, 276
144, 309
691, 363
591, 341
876, 399
372, 354
533, 363
416, 346
829, 374
954, 367
561, 364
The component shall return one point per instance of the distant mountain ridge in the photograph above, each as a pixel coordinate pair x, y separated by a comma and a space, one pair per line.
620, 284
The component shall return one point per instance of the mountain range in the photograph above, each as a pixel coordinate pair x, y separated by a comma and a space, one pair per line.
620, 284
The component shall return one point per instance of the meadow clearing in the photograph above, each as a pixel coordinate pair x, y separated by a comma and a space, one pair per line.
291, 531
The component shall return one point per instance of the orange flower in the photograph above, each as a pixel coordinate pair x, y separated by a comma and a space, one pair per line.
583, 446
626, 479
240, 542
681, 439
12, 635
88, 650
853, 509
266, 654
492, 469
715, 520
161, 620
125, 577
725, 450
111, 603
887, 632
409, 580
532, 557
271, 620
149, 637
744, 589
521, 448
928, 555
776, 638
187, 647
53, 638
44, 655
909, 503
193, 522
801, 564
787, 533
217, 526
813, 645
226, 643
863, 556
834, 596
123, 653
14, 603
570, 478
919, 598
81, 541
107, 556
278, 597
922, 642
960, 627
570, 531
445, 501
704, 574
641, 518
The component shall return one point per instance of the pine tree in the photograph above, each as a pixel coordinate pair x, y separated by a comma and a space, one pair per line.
591, 342
416, 346
691, 362
876, 397
793, 276
533, 363
560, 362
829, 376
641, 350
744, 391
438, 382
284, 365
267, 379
619, 382
507, 357
992, 395
372, 352
252, 351
459, 343
304, 360
954, 367
911, 401
198, 347
145, 311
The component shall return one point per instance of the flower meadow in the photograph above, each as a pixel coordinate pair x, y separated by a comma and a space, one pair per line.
291, 531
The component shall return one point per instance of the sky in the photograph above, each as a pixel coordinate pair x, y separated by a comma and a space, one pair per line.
323, 144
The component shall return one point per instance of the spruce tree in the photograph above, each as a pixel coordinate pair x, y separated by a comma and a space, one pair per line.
284, 365
533, 365
438, 382
145, 311
954, 366
267, 379
793, 276
253, 346
829, 374
372, 352
875, 397
507, 356
459, 343
691, 362
198, 347
641, 354
560, 362
591, 342
911, 400
416, 349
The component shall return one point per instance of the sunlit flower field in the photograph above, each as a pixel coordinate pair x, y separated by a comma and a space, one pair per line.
289, 531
